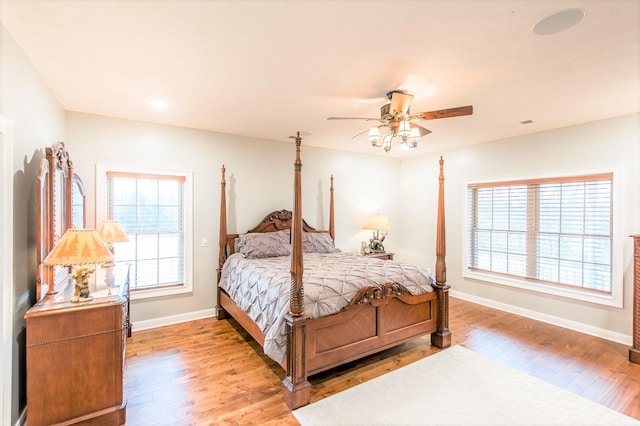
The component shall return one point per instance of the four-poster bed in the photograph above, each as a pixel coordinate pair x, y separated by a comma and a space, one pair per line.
395, 302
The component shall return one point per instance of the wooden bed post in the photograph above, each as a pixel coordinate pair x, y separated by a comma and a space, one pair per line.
634, 351
332, 221
296, 387
442, 337
222, 243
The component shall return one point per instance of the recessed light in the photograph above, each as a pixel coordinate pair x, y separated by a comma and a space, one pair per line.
559, 21
158, 103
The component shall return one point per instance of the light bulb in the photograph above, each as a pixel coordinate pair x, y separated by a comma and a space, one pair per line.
386, 142
374, 136
404, 130
412, 141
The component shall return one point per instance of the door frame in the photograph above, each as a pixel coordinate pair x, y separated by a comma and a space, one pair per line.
6, 267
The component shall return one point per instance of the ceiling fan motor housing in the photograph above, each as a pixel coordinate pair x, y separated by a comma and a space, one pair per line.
390, 94
385, 113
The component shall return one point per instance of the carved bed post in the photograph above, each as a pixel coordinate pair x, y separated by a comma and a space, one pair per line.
442, 337
222, 243
634, 351
332, 222
296, 387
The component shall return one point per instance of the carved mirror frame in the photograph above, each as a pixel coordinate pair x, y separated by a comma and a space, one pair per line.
60, 204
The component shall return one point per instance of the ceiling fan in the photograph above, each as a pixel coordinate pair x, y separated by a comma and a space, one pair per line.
401, 123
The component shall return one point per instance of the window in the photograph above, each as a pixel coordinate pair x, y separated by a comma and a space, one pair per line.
544, 234
154, 210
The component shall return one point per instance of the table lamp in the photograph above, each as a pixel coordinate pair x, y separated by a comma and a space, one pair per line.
79, 247
111, 232
377, 223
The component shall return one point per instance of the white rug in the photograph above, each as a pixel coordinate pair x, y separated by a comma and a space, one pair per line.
457, 387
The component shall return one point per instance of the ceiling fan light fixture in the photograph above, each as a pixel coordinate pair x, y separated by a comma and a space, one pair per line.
386, 142
396, 120
404, 130
374, 136
412, 141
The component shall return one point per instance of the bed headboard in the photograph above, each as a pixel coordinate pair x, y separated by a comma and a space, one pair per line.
60, 205
277, 220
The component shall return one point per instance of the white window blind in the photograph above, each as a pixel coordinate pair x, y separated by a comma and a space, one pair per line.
547, 231
150, 208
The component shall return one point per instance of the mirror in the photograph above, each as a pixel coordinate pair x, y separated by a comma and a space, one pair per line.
78, 206
42, 206
60, 205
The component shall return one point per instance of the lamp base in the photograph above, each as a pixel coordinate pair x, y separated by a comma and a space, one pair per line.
109, 279
78, 299
375, 243
376, 246
81, 294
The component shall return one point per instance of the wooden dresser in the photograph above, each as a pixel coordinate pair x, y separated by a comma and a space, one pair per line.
75, 360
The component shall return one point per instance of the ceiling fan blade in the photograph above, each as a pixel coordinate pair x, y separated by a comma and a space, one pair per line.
400, 103
443, 113
360, 134
422, 130
353, 118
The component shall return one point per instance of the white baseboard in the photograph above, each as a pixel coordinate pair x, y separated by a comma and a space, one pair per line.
624, 339
549, 319
173, 319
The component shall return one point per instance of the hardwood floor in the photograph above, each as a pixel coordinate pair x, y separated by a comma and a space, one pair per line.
210, 372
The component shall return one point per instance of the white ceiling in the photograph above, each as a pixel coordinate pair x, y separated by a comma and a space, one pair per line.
267, 69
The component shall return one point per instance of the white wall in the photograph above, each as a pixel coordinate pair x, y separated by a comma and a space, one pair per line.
596, 145
259, 180
38, 121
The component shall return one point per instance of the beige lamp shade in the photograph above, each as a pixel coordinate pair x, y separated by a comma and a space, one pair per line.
377, 223
79, 247
111, 231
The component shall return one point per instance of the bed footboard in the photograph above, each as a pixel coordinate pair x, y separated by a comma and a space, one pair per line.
367, 327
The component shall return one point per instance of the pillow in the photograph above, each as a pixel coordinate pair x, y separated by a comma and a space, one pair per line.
318, 242
268, 244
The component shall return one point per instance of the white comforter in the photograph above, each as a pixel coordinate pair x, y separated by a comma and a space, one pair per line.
261, 287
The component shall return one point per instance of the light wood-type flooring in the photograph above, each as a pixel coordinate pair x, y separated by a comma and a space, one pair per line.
210, 372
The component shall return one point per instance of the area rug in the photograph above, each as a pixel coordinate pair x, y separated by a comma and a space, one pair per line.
457, 387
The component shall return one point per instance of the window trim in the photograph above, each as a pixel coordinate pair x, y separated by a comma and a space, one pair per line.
615, 299
101, 213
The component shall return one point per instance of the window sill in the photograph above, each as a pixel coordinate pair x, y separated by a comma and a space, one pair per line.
159, 292
606, 300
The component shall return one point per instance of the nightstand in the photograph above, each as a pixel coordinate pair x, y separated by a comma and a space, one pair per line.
383, 256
